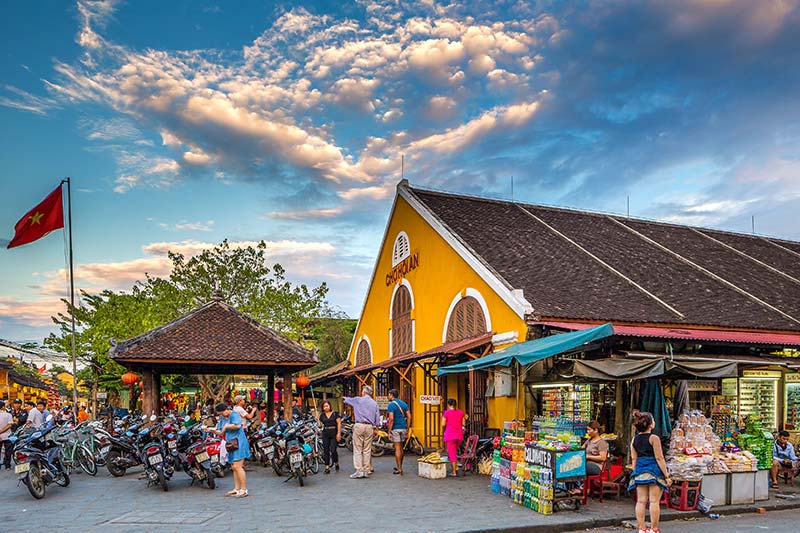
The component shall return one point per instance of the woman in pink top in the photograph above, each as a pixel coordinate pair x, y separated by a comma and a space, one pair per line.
453, 422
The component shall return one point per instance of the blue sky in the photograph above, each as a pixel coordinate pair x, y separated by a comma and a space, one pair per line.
183, 123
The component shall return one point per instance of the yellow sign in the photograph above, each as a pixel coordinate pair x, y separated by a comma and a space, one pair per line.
705, 385
762, 374
792, 378
402, 269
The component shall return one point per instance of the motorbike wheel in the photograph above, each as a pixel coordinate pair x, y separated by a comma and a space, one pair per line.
349, 442
211, 479
278, 467
86, 461
113, 468
63, 479
220, 472
313, 464
35, 482
378, 449
162, 480
300, 479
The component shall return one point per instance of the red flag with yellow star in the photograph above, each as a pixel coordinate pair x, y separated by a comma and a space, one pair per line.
39, 221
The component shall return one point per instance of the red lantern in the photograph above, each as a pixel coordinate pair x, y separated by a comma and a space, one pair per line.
129, 378
303, 382
141, 384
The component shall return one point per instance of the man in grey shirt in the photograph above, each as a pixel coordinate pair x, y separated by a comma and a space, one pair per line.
367, 417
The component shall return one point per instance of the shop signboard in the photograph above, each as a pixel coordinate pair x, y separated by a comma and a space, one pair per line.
565, 465
102, 395
428, 399
383, 402
792, 378
702, 385
767, 374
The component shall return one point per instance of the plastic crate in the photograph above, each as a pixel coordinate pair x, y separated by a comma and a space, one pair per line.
683, 495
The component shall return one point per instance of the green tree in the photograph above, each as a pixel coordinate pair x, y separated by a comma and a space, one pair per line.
240, 275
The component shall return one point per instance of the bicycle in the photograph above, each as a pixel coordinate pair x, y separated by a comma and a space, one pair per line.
75, 454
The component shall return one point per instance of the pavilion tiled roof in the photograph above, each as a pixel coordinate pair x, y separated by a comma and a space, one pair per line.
214, 332
580, 265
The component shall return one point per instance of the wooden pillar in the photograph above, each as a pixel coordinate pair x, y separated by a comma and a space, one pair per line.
271, 397
150, 400
288, 400
157, 387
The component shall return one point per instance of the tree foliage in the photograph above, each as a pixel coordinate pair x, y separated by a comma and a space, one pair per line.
240, 275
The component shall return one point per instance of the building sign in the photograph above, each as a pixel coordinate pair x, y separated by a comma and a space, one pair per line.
792, 378
102, 395
702, 385
402, 269
427, 399
383, 402
761, 374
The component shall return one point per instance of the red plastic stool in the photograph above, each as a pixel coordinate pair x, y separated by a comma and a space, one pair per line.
684, 495
663, 501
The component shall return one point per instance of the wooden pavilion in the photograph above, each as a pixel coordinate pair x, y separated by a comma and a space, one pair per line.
214, 338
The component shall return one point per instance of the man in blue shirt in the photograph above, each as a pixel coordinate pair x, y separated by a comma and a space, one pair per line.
399, 420
783, 456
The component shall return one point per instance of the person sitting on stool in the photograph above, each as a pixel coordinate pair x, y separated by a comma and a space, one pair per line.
782, 456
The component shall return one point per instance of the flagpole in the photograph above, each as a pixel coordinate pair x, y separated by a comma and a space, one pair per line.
72, 298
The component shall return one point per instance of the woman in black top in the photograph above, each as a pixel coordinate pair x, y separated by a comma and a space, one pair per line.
331, 435
650, 475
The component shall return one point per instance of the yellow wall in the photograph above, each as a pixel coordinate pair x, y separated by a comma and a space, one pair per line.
440, 276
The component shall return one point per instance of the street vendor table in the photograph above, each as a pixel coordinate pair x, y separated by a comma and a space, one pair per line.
567, 467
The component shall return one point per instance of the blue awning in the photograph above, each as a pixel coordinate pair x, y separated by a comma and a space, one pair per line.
532, 351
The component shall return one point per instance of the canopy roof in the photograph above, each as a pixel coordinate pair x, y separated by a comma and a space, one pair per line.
625, 369
213, 339
529, 352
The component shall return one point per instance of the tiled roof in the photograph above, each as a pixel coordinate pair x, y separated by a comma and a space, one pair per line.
214, 332
579, 265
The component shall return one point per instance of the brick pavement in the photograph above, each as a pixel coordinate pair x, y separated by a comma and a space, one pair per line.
327, 503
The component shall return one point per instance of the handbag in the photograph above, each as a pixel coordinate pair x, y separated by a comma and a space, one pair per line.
232, 445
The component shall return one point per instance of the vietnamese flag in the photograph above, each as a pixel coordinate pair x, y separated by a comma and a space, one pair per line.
39, 221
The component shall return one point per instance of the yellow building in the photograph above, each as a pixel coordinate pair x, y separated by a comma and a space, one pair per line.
431, 301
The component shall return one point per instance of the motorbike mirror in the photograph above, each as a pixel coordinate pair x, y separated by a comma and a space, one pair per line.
153, 418
49, 418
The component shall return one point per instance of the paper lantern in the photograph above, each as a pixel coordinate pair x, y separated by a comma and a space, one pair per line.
129, 378
303, 382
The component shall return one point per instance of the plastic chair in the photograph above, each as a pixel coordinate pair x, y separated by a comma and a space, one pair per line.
467, 460
595, 482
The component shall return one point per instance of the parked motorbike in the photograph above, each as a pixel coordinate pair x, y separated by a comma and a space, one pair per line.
302, 450
193, 457
124, 451
157, 459
347, 433
37, 460
214, 447
381, 442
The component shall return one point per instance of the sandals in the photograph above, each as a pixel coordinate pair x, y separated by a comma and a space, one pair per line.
233, 492
327, 470
397, 472
242, 493
776, 486
336, 466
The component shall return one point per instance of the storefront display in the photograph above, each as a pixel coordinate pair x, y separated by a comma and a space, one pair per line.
792, 411
758, 396
567, 401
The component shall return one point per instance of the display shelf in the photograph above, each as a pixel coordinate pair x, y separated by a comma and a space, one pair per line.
792, 406
759, 397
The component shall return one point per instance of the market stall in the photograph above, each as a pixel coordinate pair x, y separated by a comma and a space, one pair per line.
540, 474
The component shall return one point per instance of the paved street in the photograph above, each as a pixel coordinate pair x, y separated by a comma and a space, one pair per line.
327, 503
773, 521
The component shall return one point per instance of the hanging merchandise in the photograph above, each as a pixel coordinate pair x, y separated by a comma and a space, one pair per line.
792, 422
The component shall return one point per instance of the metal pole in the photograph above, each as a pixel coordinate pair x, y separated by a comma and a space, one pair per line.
72, 297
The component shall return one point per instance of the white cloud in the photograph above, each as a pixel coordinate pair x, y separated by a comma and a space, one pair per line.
305, 214
189, 226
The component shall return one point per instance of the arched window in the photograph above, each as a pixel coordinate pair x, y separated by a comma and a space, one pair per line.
466, 320
401, 248
363, 353
402, 329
